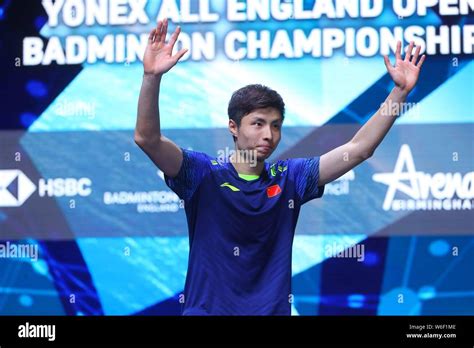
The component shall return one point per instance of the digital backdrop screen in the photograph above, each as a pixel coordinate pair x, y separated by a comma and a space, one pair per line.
87, 223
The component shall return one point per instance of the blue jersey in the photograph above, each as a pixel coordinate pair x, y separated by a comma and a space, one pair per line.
241, 233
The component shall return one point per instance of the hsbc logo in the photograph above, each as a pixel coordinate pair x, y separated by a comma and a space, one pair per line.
16, 187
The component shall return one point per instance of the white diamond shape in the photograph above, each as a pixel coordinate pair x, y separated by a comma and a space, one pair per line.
25, 188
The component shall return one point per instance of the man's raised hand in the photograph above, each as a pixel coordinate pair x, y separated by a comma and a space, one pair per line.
158, 58
405, 72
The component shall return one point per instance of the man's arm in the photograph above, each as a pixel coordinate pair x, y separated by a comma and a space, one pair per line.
157, 61
362, 146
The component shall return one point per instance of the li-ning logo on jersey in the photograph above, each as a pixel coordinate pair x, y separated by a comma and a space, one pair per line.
421, 187
233, 188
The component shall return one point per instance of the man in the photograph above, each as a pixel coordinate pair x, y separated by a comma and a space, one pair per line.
242, 213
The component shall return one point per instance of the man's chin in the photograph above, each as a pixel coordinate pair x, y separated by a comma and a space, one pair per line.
261, 157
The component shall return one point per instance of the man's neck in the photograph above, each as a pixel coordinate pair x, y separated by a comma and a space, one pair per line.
247, 167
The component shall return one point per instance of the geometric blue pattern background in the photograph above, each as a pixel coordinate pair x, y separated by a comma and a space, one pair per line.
408, 267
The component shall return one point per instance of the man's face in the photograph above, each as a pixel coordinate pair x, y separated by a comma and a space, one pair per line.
260, 131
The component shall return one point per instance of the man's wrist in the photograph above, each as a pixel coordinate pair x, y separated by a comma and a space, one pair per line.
401, 93
152, 77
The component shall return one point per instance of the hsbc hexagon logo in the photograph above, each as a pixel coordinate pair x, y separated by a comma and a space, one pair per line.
15, 188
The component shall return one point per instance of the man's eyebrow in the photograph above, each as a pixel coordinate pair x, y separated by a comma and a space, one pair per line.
257, 118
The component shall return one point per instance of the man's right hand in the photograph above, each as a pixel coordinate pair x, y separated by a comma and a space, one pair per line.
158, 58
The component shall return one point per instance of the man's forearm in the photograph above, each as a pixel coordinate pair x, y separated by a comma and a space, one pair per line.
373, 132
148, 119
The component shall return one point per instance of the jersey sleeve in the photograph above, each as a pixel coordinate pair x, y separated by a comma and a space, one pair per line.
306, 176
195, 166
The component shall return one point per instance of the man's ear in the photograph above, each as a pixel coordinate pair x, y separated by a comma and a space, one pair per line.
233, 128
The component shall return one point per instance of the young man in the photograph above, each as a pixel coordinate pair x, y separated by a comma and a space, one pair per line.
242, 211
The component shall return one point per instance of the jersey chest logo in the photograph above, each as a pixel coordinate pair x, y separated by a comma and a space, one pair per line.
233, 188
273, 191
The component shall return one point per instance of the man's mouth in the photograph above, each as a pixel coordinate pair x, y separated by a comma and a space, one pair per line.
264, 148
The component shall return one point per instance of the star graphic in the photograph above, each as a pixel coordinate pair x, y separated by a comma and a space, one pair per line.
394, 179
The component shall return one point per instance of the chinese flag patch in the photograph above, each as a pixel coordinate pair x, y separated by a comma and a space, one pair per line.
273, 191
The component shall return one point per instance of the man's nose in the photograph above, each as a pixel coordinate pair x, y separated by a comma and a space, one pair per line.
268, 135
